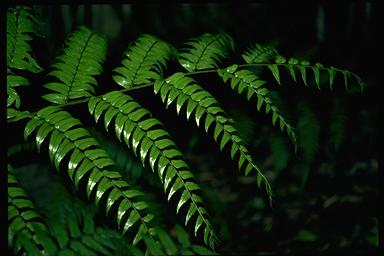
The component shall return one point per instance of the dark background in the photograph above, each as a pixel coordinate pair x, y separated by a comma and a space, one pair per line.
326, 203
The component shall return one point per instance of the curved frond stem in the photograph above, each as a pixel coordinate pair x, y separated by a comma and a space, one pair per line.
184, 91
145, 136
193, 73
358, 78
246, 82
88, 161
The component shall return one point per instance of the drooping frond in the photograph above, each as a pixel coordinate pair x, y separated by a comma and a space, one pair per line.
75, 68
27, 231
89, 165
21, 26
268, 56
147, 138
185, 92
245, 81
144, 60
205, 51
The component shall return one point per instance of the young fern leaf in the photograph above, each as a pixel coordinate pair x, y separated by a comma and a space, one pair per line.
87, 161
147, 138
205, 51
260, 54
268, 56
21, 25
245, 81
75, 68
144, 60
25, 226
183, 91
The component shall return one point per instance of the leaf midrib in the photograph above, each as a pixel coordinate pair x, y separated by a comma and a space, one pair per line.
77, 67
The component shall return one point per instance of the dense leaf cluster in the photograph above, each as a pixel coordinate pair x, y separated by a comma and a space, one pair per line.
78, 155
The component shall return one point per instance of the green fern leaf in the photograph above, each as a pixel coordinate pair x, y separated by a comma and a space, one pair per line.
75, 68
268, 56
144, 60
200, 101
21, 24
260, 54
205, 51
25, 223
90, 163
251, 84
147, 138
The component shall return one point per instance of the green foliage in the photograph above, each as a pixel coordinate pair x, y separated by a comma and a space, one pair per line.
21, 27
143, 61
26, 230
249, 83
205, 51
268, 56
184, 91
147, 139
67, 228
76, 67
87, 161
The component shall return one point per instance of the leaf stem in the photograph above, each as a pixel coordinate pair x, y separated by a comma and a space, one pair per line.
84, 100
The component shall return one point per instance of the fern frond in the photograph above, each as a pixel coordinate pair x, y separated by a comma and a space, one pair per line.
27, 231
147, 138
87, 161
245, 81
269, 57
144, 60
75, 68
183, 91
21, 26
205, 51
